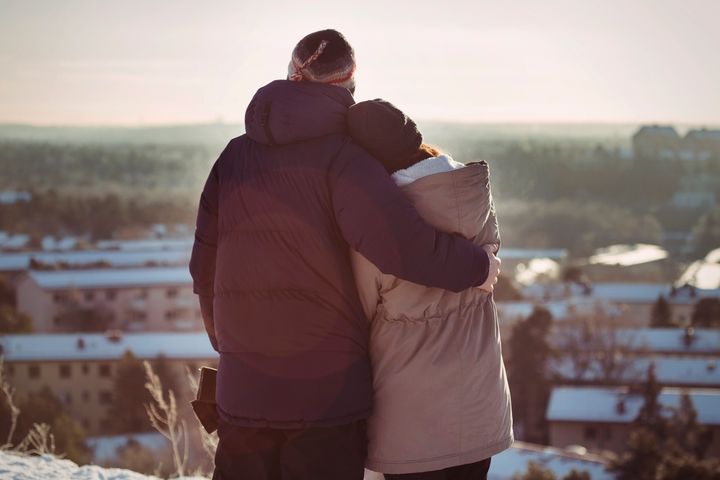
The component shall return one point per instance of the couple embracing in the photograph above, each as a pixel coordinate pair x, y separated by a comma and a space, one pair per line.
345, 272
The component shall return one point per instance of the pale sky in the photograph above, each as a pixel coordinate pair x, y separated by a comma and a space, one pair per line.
139, 62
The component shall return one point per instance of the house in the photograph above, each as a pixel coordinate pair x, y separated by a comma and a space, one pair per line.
80, 368
600, 418
148, 299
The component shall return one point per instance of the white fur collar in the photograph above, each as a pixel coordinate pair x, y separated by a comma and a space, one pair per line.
429, 166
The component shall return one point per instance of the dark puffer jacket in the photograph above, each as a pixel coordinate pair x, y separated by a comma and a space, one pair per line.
281, 209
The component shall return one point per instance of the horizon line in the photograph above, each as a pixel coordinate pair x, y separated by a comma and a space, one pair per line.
504, 123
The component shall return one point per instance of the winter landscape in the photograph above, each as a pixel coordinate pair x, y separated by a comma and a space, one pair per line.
605, 174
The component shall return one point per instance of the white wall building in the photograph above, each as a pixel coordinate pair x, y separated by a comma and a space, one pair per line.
147, 299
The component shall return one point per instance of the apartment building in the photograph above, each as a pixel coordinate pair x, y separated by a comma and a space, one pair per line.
134, 299
80, 368
663, 142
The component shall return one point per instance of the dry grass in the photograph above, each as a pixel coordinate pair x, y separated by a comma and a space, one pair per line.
164, 418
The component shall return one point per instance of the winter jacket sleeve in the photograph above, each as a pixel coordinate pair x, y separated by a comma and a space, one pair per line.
378, 221
369, 281
202, 261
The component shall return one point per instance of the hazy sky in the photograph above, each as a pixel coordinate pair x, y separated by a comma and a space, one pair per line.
169, 61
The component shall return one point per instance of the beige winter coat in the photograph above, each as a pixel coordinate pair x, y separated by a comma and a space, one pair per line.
441, 394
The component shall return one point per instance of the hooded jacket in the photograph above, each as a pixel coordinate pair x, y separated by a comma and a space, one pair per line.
441, 394
271, 263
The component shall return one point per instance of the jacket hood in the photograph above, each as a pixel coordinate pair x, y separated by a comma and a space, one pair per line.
284, 112
453, 197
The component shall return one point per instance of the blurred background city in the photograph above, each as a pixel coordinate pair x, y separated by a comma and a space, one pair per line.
601, 125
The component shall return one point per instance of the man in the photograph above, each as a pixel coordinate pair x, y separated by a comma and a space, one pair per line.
280, 210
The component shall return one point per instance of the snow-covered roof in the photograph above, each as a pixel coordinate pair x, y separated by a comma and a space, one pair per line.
674, 341
105, 448
515, 461
530, 253
9, 197
15, 242
637, 292
560, 309
118, 258
628, 255
111, 277
97, 346
671, 371
147, 244
621, 292
600, 404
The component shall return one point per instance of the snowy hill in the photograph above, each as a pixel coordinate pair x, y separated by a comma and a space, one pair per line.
14, 466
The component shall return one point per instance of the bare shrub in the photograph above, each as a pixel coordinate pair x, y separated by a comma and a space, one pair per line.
9, 394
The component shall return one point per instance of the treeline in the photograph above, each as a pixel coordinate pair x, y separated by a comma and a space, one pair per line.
577, 196
91, 169
98, 216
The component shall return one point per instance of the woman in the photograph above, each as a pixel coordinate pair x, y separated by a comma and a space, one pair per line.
441, 398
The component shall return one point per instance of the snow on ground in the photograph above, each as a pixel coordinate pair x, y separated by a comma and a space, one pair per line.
14, 466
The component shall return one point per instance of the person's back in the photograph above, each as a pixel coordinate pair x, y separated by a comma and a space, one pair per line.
271, 265
441, 393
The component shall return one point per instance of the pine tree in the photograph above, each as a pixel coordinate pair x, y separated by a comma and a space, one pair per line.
661, 315
127, 413
641, 458
686, 431
650, 416
530, 353
706, 313
665, 449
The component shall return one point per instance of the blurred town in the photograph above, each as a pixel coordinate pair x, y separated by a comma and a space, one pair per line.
609, 298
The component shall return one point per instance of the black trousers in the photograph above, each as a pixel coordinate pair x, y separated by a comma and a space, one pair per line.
470, 471
323, 453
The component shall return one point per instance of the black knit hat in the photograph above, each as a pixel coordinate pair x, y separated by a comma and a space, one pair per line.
385, 132
323, 57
